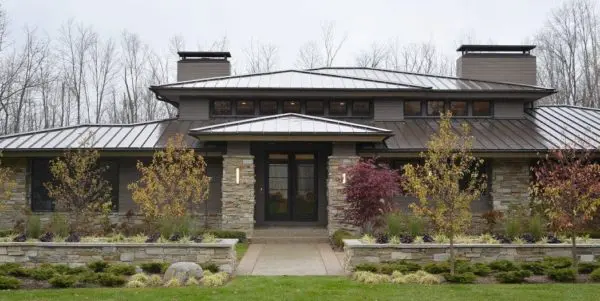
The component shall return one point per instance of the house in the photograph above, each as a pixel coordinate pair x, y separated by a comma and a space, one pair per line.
275, 142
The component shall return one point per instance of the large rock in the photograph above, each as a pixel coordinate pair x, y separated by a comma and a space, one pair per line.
184, 271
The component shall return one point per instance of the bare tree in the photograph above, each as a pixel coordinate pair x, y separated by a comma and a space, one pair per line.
261, 57
309, 56
374, 57
314, 54
418, 58
331, 44
133, 66
103, 66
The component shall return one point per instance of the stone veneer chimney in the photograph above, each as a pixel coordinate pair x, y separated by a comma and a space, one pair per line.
502, 63
202, 64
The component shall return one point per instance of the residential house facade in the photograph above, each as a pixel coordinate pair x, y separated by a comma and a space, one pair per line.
276, 143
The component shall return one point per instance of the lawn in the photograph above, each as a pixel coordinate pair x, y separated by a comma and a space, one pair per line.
240, 249
320, 288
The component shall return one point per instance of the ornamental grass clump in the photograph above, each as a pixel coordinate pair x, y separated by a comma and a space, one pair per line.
154, 281
370, 278
215, 280
135, 284
173, 282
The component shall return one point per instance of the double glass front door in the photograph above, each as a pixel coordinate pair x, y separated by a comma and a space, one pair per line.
291, 187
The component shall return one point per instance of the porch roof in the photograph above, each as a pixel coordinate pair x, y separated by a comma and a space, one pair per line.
291, 127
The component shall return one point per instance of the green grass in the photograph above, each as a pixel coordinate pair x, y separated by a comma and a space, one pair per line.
241, 249
319, 288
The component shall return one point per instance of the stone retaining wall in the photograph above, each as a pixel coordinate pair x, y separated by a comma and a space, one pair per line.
75, 254
356, 252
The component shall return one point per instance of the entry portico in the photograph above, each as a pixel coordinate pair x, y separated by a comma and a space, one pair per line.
286, 169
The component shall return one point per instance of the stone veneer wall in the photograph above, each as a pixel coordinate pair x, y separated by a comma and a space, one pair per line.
222, 253
510, 182
355, 252
238, 200
336, 199
11, 210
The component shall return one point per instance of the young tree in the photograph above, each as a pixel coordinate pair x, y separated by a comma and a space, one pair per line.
170, 185
447, 182
79, 189
567, 189
6, 183
369, 190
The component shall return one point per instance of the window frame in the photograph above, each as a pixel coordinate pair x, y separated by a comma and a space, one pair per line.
260, 111
427, 102
298, 102
338, 101
367, 114
420, 114
491, 110
213, 107
467, 105
242, 100
322, 102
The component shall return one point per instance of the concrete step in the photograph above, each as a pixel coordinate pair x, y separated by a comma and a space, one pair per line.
286, 235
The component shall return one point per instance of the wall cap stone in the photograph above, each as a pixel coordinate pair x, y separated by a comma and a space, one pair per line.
357, 244
222, 243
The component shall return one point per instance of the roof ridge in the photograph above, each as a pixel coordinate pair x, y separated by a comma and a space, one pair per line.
437, 76
366, 79
83, 125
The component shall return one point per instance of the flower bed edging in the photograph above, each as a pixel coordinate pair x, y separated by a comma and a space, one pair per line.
356, 252
221, 253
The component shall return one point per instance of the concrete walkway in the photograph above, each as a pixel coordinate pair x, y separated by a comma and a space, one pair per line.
289, 259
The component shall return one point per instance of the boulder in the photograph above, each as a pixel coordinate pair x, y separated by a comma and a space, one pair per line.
183, 271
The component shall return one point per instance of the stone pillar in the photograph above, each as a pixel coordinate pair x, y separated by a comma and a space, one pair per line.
237, 211
336, 199
12, 209
510, 183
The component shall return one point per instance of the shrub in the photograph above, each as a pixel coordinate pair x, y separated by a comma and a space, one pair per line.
209, 266
492, 218
89, 277
415, 225
394, 223
460, 278
111, 280
121, 269
419, 277
174, 282
98, 266
536, 267
59, 225
135, 284
338, 237
241, 236
595, 275
437, 268
503, 266
367, 239
557, 262
360, 276
5, 268
9, 283
587, 267
209, 237
34, 226
481, 269
154, 281
192, 282
403, 265
19, 272
536, 227
170, 225
42, 273
562, 275
513, 276
512, 228
65, 269
367, 267
62, 281
154, 267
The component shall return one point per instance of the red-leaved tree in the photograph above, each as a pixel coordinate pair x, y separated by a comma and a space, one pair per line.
567, 189
369, 190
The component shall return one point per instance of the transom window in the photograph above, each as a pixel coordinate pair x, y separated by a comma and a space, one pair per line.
244, 107
315, 107
291, 106
351, 108
482, 108
222, 107
268, 107
338, 108
435, 107
459, 108
412, 108
361, 108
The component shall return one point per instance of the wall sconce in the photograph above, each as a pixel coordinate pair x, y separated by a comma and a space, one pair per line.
343, 178
237, 175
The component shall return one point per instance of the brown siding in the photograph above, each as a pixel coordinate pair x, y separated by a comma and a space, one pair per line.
196, 69
193, 109
127, 174
388, 110
515, 68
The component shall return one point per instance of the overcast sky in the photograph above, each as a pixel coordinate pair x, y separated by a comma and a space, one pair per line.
289, 24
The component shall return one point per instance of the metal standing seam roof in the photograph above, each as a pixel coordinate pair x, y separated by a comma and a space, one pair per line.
290, 124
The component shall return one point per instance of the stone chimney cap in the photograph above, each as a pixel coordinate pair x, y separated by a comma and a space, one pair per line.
496, 48
203, 54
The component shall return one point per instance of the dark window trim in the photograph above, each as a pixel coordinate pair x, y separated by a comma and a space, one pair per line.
235, 107
420, 108
323, 112
300, 102
212, 107
472, 104
339, 115
467, 103
447, 107
260, 112
444, 105
369, 114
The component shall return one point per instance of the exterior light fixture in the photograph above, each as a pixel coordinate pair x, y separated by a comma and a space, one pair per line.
344, 178
237, 175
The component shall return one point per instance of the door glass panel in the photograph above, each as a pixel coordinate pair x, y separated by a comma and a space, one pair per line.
277, 203
305, 205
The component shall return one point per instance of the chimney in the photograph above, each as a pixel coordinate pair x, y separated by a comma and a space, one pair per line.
501, 63
202, 64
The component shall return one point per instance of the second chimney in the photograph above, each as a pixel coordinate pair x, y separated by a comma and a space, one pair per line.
501, 63
202, 64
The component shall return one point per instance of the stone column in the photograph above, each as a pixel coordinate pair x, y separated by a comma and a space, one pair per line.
13, 207
336, 199
510, 183
237, 211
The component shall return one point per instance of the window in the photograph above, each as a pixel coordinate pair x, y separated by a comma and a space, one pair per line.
412, 108
338, 108
244, 107
268, 107
291, 106
222, 107
435, 107
459, 108
482, 108
40, 174
315, 107
361, 108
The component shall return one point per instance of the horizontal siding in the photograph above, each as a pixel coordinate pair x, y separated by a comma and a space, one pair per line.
197, 69
515, 69
344, 149
193, 109
509, 109
388, 110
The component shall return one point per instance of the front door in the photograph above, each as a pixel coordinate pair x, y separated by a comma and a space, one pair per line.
291, 186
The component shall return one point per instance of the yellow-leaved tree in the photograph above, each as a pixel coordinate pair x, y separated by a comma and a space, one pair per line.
7, 184
172, 183
447, 182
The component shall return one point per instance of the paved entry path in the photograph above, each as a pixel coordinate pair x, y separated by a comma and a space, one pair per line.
290, 259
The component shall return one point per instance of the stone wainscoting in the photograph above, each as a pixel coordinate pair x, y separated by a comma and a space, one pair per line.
221, 253
355, 252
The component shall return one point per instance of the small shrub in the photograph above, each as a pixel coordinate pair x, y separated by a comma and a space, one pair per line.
98, 266
437, 268
460, 278
382, 238
338, 237
89, 277
403, 266
192, 282
62, 281
209, 238
415, 225
121, 269
241, 236
135, 284
140, 277
174, 282
492, 218
513, 276
7, 268
367, 239
154, 267
587, 267
395, 223
367, 267
34, 226
562, 275
512, 228
536, 227
59, 225
363, 277
535, 267
111, 280
19, 272
209, 266
481, 269
395, 240
557, 262
503, 266
170, 225
595, 275
154, 281
9, 283
42, 273
65, 269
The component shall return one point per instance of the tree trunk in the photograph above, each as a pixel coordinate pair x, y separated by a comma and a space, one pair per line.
452, 260
574, 249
